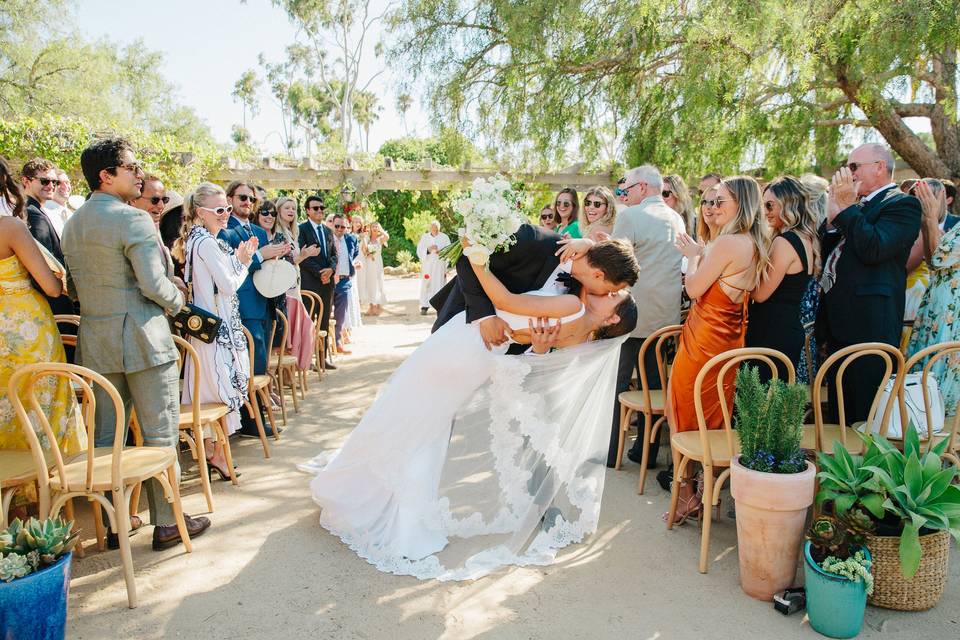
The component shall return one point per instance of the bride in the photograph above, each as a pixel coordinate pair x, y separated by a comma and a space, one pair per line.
470, 459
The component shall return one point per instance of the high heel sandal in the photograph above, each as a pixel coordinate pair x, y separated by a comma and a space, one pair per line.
223, 474
690, 507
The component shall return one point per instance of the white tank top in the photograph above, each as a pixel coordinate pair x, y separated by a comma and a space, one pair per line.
517, 322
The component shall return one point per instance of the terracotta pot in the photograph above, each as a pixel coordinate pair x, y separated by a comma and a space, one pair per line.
771, 514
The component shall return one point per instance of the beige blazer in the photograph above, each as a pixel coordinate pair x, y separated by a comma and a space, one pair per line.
652, 228
117, 273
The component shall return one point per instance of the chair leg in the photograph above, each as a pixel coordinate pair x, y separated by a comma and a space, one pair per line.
178, 509
135, 499
254, 407
202, 466
265, 398
68, 513
679, 464
6, 499
227, 453
122, 519
708, 518
283, 402
292, 379
98, 525
645, 456
624, 417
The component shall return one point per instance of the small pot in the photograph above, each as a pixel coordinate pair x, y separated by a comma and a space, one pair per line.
835, 605
34, 607
771, 513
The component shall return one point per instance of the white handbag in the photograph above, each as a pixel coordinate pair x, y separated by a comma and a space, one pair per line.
916, 412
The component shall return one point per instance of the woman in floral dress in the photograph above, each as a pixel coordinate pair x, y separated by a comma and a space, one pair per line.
938, 319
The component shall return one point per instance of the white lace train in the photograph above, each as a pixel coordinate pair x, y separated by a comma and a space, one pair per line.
469, 460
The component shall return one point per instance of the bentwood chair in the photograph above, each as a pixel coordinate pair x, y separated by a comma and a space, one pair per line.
649, 402
714, 449
282, 365
315, 309
99, 470
820, 436
196, 415
258, 390
68, 340
933, 354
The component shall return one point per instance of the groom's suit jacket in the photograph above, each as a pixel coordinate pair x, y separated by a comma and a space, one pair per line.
524, 267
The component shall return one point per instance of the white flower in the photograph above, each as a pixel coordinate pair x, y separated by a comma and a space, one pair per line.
28, 331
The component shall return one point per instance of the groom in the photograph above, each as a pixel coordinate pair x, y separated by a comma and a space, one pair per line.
530, 264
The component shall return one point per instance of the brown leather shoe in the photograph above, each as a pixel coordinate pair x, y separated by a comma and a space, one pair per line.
168, 536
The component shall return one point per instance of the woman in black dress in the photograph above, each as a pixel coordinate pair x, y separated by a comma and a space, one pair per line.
774, 319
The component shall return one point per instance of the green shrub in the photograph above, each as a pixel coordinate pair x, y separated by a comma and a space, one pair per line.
770, 423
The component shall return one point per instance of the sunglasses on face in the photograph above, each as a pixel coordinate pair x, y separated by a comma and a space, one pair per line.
594, 203
546, 216
666, 193
768, 205
219, 210
46, 182
132, 167
564, 204
622, 191
269, 213
339, 226
242, 197
155, 200
317, 207
853, 166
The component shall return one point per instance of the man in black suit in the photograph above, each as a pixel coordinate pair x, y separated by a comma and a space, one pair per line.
39, 180
528, 265
316, 272
865, 244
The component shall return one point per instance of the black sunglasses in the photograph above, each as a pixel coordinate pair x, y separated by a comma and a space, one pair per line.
155, 200
267, 212
242, 197
708, 203
48, 181
546, 216
317, 207
594, 203
666, 193
339, 226
853, 166
768, 205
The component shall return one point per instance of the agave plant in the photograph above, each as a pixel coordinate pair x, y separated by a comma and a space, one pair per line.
34, 544
919, 491
847, 480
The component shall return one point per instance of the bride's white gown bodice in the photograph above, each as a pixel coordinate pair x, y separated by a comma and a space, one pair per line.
467, 443
522, 322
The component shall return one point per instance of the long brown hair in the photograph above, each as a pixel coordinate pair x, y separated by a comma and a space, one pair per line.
746, 193
575, 209
10, 190
796, 212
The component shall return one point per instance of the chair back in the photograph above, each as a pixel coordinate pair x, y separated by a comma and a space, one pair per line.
186, 351
310, 299
280, 319
68, 340
49, 455
932, 354
658, 340
893, 365
725, 361
251, 347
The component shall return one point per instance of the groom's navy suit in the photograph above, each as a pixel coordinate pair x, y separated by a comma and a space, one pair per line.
524, 267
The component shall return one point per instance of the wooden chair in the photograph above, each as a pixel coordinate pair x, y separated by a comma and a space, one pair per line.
820, 436
314, 304
100, 470
282, 365
258, 389
196, 415
68, 340
935, 353
649, 402
714, 448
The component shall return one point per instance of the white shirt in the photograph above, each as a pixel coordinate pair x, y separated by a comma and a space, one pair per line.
873, 193
343, 259
553, 285
52, 209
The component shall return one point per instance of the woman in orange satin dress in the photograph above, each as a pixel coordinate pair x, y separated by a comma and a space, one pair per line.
719, 279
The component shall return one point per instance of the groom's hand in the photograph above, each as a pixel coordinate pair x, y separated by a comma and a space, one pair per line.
571, 249
494, 331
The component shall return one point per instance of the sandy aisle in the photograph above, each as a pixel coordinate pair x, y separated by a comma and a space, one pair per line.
267, 570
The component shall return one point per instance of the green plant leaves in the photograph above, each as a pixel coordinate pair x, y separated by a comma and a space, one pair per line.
910, 550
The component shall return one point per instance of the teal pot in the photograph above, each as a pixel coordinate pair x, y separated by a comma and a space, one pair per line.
34, 607
835, 605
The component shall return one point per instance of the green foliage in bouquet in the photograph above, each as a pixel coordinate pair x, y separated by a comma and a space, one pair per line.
25, 548
770, 423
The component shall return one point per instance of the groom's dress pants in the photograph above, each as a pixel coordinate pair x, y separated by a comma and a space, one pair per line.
629, 353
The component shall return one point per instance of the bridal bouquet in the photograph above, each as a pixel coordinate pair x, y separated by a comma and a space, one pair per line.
492, 212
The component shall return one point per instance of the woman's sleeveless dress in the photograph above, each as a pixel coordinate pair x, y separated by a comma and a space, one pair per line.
714, 325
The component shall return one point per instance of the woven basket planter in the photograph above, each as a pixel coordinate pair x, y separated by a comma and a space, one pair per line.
891, 590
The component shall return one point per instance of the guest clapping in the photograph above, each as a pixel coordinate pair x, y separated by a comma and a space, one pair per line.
775, 312
215, 272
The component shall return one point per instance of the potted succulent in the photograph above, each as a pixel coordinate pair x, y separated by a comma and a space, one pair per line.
911, 546
771, 481
34, 578
837, 573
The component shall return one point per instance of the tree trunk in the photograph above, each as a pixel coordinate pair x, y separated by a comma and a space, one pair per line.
891, 126
942, 125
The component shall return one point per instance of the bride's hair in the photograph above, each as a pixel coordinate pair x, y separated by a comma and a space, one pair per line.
627, 311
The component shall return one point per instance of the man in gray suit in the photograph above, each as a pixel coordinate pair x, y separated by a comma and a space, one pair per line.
652, 228
116, 272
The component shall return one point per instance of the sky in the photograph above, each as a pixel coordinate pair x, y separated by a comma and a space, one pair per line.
207, 44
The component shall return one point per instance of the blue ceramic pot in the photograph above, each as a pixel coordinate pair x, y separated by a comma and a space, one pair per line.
35, 607
835, 605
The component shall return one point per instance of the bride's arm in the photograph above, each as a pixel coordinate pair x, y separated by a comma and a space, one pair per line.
522, 304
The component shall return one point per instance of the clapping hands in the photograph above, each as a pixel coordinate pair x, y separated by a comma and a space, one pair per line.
687, 246
932, 203
843, 192
275, 250
310, 251
245, 250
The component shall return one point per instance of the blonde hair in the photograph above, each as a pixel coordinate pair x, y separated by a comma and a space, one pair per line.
293, 230
703, 229
608, 218
748, 220
816, 188
679, 188
797, 212
191, 215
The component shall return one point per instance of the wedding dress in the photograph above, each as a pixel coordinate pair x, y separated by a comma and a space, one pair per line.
469, 459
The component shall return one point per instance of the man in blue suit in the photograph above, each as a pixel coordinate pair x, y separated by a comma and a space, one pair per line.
254, 308
347, 252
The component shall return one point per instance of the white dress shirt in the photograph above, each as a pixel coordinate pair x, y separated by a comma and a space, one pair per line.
343, 259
